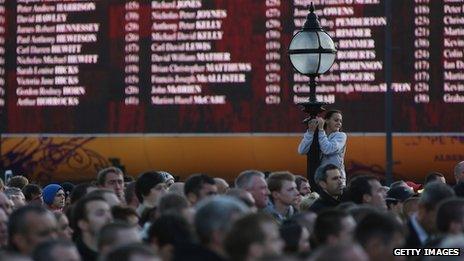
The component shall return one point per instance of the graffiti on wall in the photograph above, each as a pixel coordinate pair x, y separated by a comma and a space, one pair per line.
42, 159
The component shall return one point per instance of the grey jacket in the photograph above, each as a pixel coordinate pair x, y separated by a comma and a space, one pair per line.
333, 148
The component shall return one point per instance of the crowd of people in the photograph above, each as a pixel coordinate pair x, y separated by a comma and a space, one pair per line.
272, 216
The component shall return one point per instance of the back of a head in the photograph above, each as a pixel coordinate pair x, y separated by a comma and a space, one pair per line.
30, 191
359, 212
398, 183
130, 252
18, 221
172, 203
217, 214
146, 181
129, 191
342, 252
44, 251
328, 223
449, 211
433, 193
433, 176
195, 182
358, 187
290, 232
459, 170
170, 229
18, 182
243, 196
244, 232
79, 191
245, 178
110, 235
378, 225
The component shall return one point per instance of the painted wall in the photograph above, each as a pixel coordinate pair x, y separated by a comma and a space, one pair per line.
60, 158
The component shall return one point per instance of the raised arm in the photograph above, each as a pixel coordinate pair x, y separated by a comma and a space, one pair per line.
305, 143
333, 145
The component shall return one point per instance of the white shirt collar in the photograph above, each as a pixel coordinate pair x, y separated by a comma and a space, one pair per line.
419, 229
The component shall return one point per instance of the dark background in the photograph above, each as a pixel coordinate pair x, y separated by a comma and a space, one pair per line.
102, 109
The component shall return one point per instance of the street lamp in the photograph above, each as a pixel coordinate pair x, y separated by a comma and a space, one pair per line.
312, 52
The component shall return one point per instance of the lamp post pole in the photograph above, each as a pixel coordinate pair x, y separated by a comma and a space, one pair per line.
313, 157
312, 53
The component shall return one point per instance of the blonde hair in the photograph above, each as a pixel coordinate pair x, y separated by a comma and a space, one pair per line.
307, 201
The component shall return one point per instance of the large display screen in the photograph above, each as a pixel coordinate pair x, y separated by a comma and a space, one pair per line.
221, 66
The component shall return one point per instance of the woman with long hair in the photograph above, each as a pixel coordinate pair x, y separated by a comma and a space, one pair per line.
332, 141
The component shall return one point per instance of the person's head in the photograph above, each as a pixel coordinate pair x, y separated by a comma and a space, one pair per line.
68, 188
130, 196
112, 178
56, 250
107, 194
131, 252
380, 233
306, 219
302, 185
342, 251
79, 191
459, 172
411, 206
53, 196
433, 194
252, 237
295, 236
253, 181
6, 203
434, 177
64, 229
113, 235
149, 187
3, 228
244, 196
367, 189
214, 218
17, 182
16, 196
89, 215
222, 185
33, 194
198, 187
168, 178
400, 183
173, 203
29, 226
283, 188
333, 121
177, 187
330, 179
333, 226
395, 198
450, 216
125, 214
308, 201
169, 231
